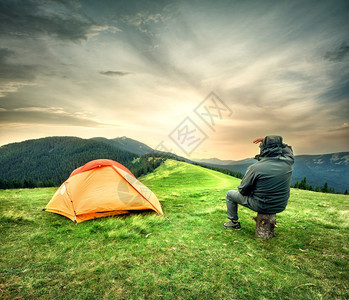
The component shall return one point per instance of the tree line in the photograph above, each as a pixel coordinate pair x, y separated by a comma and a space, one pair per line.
138, 167
25, 183
303, 185
49, 161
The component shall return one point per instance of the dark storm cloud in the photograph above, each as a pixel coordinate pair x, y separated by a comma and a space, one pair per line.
42, 115
339, 53
14, 75
115, 73
338, 92
24, 25
13, 71
4, 54
60, 19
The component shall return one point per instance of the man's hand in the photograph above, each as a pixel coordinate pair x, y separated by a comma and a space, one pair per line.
258, 140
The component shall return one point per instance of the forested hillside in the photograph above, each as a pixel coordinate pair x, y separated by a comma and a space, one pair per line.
126, 144
54, 158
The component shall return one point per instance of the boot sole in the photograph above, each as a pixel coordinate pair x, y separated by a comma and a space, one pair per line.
232, 228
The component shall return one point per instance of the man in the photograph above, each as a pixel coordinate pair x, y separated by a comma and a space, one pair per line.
265, 188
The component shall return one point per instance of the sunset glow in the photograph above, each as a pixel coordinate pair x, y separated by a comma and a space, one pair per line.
139, 68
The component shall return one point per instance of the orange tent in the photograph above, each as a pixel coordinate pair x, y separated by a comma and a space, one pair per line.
101, 188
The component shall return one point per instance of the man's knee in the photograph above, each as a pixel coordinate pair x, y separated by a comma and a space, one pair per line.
232, 195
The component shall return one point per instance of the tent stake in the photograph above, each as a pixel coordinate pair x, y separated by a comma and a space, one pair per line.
166, 218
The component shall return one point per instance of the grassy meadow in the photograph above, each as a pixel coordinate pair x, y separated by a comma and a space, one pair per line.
143, 256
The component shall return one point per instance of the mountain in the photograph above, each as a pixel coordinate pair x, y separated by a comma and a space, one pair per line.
54, 158
332, 168
126, 144
214, 161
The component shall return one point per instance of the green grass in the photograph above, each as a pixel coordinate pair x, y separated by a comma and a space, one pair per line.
143, 256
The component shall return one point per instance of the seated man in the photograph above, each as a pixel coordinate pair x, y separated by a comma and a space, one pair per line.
265, 188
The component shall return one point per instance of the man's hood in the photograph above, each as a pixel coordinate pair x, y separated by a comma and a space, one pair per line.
270, 147
271, 141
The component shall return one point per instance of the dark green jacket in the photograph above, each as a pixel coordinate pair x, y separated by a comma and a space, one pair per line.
268, 181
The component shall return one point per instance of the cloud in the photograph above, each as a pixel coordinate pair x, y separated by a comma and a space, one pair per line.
338, 54
13, 75
343, 127
267, 61
46, 116
115, 73
4, 54
62, 20
96, 29
142, 19
26, 26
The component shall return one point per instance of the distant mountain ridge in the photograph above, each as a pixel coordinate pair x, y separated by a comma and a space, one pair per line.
217, 161
332, 168
55, 157
214, 161
126, 144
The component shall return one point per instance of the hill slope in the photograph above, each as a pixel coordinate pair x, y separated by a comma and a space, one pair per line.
126, 144
142, 256
54, 158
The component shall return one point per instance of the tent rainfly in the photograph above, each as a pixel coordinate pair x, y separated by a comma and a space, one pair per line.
101, 188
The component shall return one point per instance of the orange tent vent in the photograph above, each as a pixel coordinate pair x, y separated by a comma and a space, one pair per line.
101, 188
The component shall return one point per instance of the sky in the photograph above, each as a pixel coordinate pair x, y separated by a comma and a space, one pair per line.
198, 78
